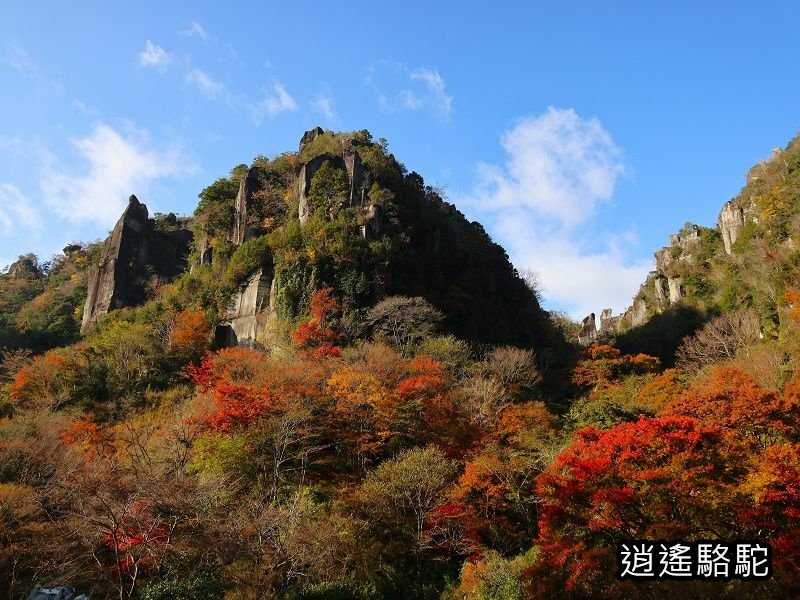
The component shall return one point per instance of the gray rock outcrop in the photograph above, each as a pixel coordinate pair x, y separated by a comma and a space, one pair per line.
307, 172
309, 136
134, 252
731, 222
636, 315
675, 289
60, 592
26, 267
205, 252
609, 324
588, 331
242, 231
688, 238
662, 287
359, 179
662, 290
248, 312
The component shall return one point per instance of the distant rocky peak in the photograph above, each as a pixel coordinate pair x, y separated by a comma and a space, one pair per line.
309, 136
26, 267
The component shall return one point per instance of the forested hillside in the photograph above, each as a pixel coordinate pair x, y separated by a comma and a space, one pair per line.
327, 383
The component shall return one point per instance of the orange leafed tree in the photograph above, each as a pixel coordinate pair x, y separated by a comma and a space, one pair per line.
365, 409
88, 435
774, 489
49, 380
190, 332
666, 387
602, 364
792, 297
730, 399
316, 336
657, 478
240, 384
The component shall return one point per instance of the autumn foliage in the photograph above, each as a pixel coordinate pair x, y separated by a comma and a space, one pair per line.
731, 400
601, 364
190, 332
662, 478
237, 381
317, 336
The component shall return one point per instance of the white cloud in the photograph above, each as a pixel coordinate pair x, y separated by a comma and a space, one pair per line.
323, 105
200, 79
399, 88
436, 88
117, 167
575, 279
17, 211
559, 169
559, 166
195, 30
276, 101
154, 55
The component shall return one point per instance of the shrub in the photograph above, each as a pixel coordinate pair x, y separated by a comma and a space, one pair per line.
247, 259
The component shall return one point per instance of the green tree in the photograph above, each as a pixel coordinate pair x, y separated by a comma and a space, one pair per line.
403, 491
329, 188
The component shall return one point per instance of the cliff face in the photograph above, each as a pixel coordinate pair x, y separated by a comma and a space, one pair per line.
664, 287
749, 261
134, 251
359, 180
241, 208
248, 312
377, 231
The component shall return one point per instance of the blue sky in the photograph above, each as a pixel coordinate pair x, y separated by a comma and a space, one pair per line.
581, 134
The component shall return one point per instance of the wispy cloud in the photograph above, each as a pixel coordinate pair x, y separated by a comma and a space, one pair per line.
154, 55
436, 89
323, 105
559, 170
276, 100
195, 30
117, 165
202, 81
399, 88
17, 212
85, 109
18, 59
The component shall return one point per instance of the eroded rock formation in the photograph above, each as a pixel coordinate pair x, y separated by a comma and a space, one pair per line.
731, 222
588, 332
663, 287
248, 312
24, 268
609, 324
134, 252
675, 289
359, 178
307, 172
309, 136
247, 187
